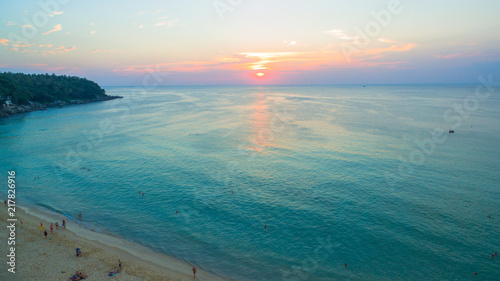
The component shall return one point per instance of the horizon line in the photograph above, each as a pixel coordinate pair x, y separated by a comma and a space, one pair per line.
281, 85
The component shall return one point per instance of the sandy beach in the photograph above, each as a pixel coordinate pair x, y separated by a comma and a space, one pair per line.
54, 258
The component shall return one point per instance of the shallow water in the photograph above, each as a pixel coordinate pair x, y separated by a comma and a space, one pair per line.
320, 166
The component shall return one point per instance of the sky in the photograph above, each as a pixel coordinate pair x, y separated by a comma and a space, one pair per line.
253, 42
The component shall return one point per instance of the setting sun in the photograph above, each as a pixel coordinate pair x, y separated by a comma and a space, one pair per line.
260, 74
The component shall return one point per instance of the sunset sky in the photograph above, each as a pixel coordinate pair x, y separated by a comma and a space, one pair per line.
207, 42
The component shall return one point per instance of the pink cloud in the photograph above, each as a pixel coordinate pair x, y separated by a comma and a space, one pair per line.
458, 55
4, 41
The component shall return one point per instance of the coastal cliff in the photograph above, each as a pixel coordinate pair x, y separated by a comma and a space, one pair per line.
22, 93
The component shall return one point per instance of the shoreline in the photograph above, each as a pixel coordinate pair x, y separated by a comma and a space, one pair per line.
38, 258
36, 106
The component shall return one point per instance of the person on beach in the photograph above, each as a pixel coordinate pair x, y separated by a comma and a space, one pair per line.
51, 228
78, 252
5, 202
114, 271
194, 272
120, 264
64, 223
57, 225
78, 276
45, 233
80, 216
41, 226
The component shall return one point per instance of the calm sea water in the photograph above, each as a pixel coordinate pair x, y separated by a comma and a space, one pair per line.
339, 174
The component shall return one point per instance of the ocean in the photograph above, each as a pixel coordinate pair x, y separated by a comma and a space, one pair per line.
277, 182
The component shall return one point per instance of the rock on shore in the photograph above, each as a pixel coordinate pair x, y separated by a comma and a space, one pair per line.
35, 106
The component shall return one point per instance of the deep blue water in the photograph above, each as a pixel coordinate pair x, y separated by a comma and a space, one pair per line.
335, 172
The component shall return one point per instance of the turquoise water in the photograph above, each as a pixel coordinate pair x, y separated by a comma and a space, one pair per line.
335, 172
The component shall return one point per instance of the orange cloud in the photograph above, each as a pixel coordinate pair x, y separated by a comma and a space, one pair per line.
393, 48
20, 45
387, 41
279, 61
57, 27
339, 33
58, 50
168, 23
4, 41
69, 49
99, 51
262, 60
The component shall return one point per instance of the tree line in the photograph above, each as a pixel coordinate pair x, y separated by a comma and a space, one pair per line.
46, 88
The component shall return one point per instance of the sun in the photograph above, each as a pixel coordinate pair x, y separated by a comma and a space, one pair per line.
260, 74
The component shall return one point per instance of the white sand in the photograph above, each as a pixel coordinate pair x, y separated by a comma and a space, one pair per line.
46, 259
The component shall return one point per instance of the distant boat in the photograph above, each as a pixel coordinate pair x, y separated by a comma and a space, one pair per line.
451, 131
